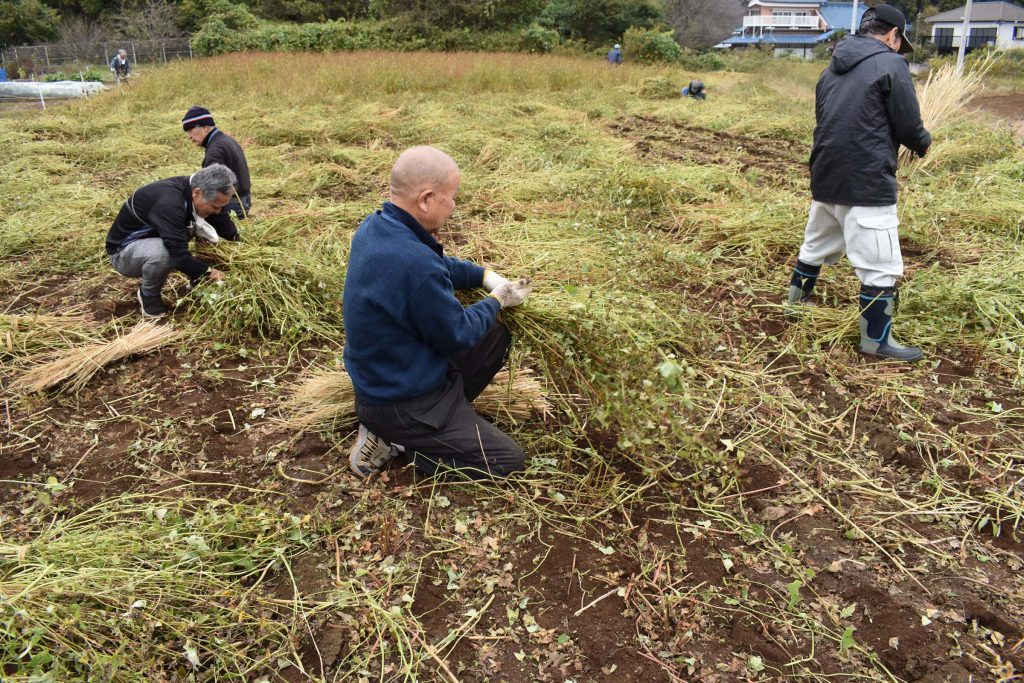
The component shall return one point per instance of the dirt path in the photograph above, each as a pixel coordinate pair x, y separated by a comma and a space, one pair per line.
1009, 108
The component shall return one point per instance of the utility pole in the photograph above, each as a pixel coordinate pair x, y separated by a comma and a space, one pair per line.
965, 32
853, 18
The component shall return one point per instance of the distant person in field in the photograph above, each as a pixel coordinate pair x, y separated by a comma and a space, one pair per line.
695, 90
615, 55
866, 108
418, 356
151, 233
221, 148
119, 65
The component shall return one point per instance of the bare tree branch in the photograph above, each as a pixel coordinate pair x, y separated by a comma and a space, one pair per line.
703, 23
149, 20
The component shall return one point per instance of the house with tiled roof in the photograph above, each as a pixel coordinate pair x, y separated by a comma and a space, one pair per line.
792, 26
993, 24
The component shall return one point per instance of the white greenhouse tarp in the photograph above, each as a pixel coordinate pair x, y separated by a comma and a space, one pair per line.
56, 89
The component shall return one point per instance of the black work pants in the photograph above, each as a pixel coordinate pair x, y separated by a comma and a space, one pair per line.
440, 430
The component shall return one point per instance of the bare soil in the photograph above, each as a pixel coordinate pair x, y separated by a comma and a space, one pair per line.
1009, 108
596, 600
777, 159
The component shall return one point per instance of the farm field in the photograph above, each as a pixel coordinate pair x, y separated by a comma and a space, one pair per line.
716, 490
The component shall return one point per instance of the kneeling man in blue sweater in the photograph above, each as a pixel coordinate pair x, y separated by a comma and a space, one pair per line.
416, 355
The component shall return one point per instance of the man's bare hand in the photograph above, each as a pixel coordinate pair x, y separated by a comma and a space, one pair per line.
215, 275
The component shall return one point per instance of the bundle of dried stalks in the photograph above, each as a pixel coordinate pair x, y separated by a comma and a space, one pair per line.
943, 98
78, 365
514, 398
325, 399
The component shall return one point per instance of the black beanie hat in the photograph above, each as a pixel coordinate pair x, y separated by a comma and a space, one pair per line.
197, 116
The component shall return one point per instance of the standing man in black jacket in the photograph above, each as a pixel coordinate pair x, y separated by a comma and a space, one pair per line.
865, 109
221, 148
150, 236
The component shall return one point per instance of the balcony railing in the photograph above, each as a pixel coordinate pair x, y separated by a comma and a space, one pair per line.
795, 21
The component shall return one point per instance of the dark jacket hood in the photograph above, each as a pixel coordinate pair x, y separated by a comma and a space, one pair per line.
865, 109
852, 50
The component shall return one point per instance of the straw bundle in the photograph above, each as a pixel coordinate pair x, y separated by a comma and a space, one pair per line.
943, 98
79, 365
515, 398
325, 399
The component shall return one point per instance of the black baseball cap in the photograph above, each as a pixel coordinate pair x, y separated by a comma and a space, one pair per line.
892, 16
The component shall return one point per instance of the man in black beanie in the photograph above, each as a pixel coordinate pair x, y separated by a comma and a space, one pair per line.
221, 148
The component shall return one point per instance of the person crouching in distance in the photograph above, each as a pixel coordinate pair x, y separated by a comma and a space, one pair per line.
695, 89
120, 67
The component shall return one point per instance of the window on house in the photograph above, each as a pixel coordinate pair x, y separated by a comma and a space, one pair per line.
943, 38
980, 37
1018, 32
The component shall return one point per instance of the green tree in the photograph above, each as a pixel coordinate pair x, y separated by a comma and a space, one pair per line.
647, 47
292, 10
26, 21
600, 21
476, 14
235, 16
924, 8
90, 9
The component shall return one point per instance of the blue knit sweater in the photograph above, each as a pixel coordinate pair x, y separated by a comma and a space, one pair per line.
402, 320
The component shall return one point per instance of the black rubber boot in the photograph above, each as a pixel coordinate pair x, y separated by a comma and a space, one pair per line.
877, 306
151, 306
802, 283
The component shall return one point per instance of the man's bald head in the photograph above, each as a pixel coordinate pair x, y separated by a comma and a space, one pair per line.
421, 168
424, 183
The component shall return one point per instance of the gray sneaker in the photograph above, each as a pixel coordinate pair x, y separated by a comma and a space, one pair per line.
370, 454
151, 306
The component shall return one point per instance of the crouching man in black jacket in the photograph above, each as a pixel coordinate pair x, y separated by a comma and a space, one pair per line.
865, 109
150, 236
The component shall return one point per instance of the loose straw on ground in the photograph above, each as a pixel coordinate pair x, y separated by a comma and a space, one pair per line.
325, 399
26, 334
76, 366
943, 98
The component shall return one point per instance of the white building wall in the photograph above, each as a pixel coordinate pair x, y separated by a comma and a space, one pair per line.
804, 52
1004, 33
1005, 39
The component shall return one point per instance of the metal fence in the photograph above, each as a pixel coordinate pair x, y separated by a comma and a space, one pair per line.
41, 59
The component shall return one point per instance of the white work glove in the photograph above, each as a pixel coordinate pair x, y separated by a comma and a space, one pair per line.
492, 280
205, 231
512, 293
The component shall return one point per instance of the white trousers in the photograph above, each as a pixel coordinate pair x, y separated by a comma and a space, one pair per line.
868, 235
